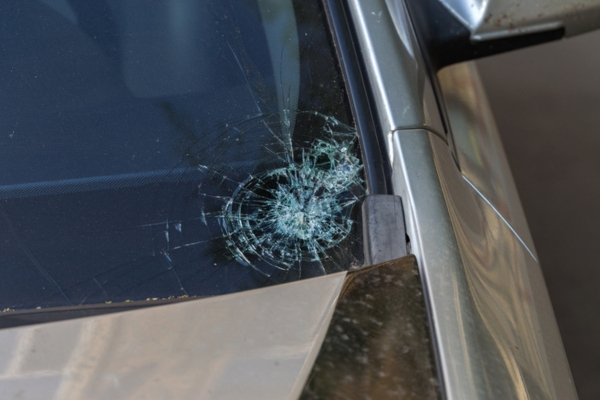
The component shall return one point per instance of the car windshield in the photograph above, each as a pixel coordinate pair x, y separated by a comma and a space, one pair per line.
169, 148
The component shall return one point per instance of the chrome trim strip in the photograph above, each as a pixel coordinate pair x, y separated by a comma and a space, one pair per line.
388, 43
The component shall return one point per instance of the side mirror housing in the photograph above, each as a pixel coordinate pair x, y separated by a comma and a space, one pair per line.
452, 31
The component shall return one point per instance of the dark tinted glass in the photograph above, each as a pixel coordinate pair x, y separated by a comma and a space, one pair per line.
156, 149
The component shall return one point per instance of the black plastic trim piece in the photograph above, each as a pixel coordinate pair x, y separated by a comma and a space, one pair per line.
445, 40
376, 164
384, 228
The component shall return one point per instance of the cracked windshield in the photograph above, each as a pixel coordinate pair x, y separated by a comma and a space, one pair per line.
174, 148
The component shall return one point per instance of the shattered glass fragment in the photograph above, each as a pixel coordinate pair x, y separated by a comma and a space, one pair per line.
292, 214
298, 212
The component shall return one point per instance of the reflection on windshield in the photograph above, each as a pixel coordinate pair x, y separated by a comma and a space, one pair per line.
209, 154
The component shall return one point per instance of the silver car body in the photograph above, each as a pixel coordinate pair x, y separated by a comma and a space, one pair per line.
494, 332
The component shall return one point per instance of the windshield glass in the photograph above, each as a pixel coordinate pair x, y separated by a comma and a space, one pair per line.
159, 149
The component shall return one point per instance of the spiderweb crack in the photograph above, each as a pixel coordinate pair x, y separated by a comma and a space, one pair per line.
296, 213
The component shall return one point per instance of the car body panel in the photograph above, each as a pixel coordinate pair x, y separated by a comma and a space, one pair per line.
493, 328
511, 340
479, 151
258, 344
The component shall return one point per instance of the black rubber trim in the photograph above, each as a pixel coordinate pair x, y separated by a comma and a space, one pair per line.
445, 40
376, 164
